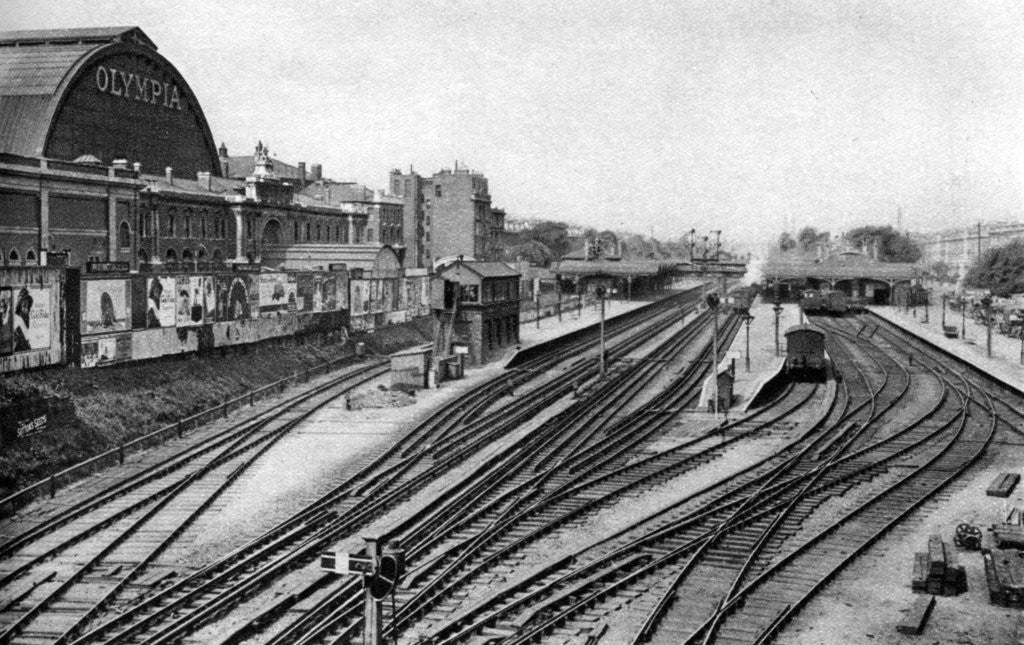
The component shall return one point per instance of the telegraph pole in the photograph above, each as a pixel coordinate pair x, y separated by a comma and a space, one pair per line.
600, 296
712, 300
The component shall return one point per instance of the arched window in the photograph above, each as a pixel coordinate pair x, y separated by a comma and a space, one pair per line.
14, 257
317, 232
171, 255
170, 222
308, 231
186, 255
124, 235
201, 253
188, 224
295, 231
30, 256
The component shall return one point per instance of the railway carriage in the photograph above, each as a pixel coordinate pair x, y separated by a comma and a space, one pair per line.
812, 302
837, 304
805, 353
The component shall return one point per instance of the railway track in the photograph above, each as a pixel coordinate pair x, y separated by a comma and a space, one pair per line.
887, 472
434, 446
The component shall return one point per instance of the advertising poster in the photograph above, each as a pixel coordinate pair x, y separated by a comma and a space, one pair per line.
189, 301
105, 306
329, 293
235, 297
160, 302
277, 293
209, 298
307, 292
6, 321
110, 349
374, 297
32, 319
388, 295
359, 303
341, 289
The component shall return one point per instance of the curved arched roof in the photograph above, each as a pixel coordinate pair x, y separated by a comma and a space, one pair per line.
47, 102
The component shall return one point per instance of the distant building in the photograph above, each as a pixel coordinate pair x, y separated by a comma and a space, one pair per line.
962, 245
447, 215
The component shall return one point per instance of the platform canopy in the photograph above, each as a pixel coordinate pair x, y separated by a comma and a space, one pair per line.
623, 268
842, 266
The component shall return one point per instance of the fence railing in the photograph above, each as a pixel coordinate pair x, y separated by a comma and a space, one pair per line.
49, 486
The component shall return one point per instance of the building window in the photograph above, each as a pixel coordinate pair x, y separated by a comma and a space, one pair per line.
317, 232
295, 231
171, 255
30, 256
202, 228
397, 187
407, 185
437, 191
170, 223
188, 225
124, 236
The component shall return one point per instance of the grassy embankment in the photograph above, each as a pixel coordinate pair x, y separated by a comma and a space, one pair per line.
112, 405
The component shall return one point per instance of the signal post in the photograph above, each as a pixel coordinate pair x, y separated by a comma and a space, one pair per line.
380, 569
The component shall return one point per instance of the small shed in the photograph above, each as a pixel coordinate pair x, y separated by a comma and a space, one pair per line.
726, 375
409, 367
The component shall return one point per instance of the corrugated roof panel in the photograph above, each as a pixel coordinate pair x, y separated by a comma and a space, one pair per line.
22, 126
37, 70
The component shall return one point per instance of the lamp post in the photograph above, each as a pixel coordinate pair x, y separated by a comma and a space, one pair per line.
963, 317
778, 310
712, 300
986, 303
600, 296
748, 319
927, 301
945, 297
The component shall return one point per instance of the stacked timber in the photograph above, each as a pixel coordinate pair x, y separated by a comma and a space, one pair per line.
1004, 572
936, 571
1003, 485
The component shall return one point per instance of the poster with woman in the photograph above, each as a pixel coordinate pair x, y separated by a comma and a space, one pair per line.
32, 319
160, 302
189, 307
209, 298
105, 306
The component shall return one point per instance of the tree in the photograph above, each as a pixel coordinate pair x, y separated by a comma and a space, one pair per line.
808, 237
786, 242
553, 235
1000, 270
892, 245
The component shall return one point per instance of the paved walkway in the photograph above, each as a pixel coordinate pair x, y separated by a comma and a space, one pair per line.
1005, 363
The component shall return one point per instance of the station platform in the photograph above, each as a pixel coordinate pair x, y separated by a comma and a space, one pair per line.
764, 363
1005, 363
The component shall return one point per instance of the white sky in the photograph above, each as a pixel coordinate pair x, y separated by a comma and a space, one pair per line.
746, 115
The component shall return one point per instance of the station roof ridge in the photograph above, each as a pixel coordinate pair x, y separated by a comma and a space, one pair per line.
77, 35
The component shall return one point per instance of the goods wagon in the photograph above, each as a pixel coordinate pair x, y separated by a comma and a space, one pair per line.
805, 353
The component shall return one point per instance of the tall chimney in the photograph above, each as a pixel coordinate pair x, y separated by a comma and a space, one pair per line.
138, 167
302, 174
224, 167
169, 175
316, 172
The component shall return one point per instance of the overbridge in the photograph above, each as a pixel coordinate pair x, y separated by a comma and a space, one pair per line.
639, 276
